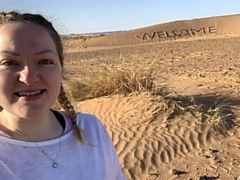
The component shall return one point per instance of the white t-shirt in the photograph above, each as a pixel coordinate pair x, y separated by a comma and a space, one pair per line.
96, 160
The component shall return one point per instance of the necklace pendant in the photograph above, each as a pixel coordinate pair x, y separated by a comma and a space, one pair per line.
55, 165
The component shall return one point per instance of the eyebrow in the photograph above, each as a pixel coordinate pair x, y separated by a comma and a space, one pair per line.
9, 52
37, 53
46, 51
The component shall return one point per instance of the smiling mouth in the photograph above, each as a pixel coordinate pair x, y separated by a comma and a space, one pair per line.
20, 94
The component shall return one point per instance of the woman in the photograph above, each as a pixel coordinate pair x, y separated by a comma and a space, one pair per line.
35, 141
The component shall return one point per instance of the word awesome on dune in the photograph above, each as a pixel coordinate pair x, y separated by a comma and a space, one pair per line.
178, 33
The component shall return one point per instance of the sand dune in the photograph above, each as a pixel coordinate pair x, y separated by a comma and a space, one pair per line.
177, 30
144, 148
152, 145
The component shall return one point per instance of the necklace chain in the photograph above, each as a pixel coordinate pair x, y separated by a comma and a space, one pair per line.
54, 163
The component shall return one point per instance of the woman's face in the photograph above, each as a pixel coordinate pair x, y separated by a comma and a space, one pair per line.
30, 70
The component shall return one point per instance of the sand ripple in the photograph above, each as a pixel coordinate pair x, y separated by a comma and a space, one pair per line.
142, 147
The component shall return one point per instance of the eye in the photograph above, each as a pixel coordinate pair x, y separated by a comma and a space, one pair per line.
45, 61
8, 63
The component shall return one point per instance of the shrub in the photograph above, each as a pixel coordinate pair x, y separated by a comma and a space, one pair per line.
118, 79
220, 116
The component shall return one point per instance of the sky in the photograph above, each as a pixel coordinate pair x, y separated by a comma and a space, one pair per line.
94, 16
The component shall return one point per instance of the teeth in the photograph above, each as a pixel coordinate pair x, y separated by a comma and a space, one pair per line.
29, 93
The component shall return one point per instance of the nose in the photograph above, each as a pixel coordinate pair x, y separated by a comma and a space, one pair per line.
28, 75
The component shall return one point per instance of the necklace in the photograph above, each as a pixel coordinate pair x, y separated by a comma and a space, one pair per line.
54, 162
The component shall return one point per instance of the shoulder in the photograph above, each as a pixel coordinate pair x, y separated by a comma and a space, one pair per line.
91, 125
84, 119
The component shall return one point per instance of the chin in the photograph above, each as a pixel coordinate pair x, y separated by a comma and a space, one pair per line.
32, 112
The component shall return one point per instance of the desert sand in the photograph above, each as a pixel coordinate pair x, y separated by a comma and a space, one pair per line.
197, 58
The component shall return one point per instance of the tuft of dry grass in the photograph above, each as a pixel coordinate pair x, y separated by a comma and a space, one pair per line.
220, 116
117, 79
172, 106
121, 80
76, 89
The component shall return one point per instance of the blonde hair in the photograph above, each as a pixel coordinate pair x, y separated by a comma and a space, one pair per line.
63, 100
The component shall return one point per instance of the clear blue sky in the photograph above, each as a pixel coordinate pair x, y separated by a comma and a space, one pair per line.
87, 16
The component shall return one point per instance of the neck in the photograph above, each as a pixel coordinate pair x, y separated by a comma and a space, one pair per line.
38, 129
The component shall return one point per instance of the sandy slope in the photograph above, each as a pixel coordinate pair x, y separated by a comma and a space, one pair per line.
221, 26
151, 150
206, 68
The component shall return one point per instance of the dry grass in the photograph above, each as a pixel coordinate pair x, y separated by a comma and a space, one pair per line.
116, 79
172, 106
140, 78
79, 36
220, 116
76, 89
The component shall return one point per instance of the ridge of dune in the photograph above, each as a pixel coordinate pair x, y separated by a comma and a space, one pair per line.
176, 30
